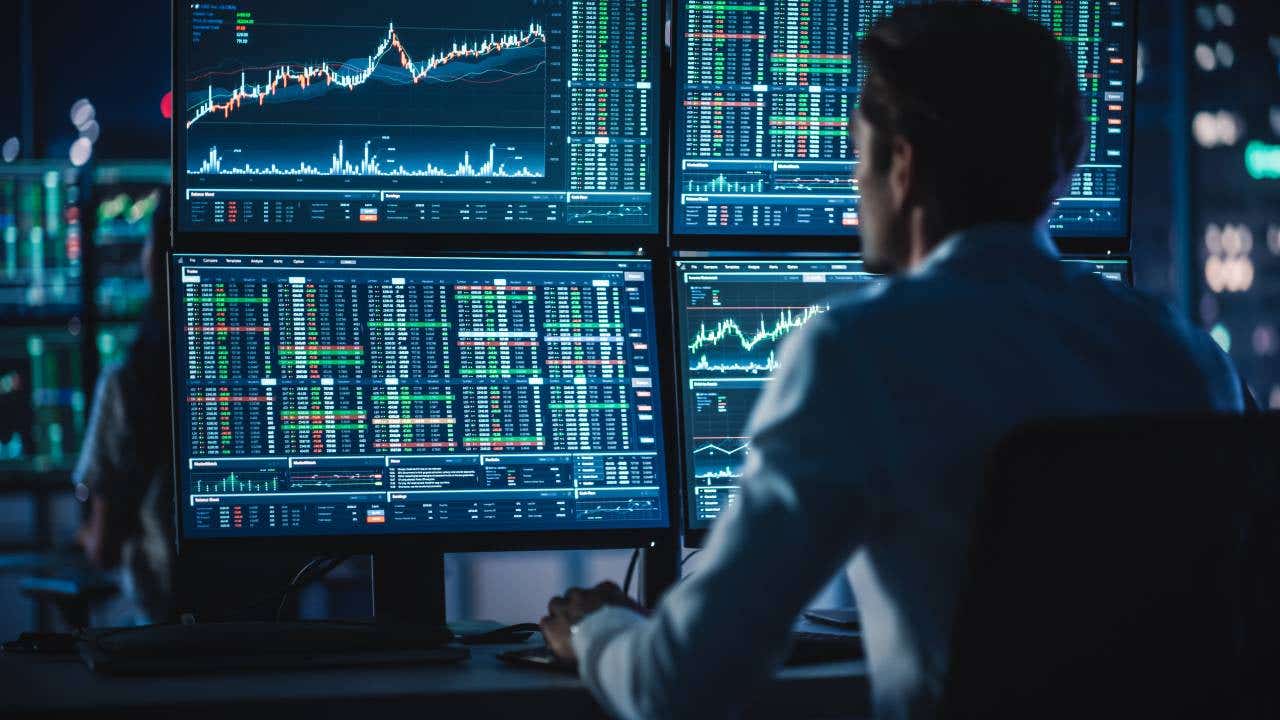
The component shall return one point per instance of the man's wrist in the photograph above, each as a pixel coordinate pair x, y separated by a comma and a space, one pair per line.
596, 628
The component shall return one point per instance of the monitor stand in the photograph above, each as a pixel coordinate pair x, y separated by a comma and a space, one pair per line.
408, 581
408, 585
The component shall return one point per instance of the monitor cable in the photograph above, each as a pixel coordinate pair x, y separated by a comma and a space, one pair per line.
314, 570
631, 572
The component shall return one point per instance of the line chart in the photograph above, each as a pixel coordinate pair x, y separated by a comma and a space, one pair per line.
728, 328
348, 77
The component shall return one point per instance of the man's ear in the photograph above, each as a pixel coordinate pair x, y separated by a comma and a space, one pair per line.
902, 175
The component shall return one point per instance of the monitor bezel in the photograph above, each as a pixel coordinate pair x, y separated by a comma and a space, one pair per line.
852, 243
412, 240
483, 541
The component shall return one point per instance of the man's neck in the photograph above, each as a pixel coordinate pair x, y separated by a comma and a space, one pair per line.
920, 243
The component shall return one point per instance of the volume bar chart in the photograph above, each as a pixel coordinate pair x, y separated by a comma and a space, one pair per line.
245, 481
369, 164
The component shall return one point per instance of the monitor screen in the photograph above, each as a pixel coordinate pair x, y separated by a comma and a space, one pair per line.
498, 116
42, 399
732, 316
365, 395
765, 91
40, 229
123, 226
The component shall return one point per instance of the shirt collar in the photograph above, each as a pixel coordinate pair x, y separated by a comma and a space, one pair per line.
1007, 241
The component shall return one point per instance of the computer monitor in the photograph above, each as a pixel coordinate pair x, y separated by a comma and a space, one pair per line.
125, 197
40, 259
42, 398
470, 402
733, 312
763, 98
445, 118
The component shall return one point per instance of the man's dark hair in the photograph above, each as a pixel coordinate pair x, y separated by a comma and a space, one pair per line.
989, 101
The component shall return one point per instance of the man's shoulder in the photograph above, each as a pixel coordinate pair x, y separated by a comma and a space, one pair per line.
887, 300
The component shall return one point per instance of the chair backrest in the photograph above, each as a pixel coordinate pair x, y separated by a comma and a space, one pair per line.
1123, 567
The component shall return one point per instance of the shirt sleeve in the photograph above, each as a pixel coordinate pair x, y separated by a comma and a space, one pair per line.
799, 515
101, 466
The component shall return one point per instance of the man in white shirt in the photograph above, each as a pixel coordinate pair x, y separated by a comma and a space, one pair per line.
868, 446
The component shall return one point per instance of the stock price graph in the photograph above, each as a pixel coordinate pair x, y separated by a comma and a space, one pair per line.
734, 316
417, 116
277, 114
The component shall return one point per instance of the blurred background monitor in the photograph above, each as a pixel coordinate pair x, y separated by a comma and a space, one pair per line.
42, 397
125, 197
40, 254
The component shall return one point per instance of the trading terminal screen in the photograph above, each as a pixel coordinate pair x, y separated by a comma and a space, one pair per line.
365, 395
495, 116
765, 91
733, 315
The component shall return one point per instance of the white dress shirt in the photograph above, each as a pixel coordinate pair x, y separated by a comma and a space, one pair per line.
867, 453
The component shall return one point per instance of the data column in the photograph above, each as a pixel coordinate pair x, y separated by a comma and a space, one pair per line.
586, 366
410, 334
227, 330
612, 112
498, 360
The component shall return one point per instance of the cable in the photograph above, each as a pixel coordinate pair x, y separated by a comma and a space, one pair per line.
631, 571
317, 568
686, 557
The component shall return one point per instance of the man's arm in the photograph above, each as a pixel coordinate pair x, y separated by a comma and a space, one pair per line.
113, 505
802, 509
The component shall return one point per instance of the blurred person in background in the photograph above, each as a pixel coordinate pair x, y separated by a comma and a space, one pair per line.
126, 463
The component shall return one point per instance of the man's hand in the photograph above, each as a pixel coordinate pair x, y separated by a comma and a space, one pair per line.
101, 535
565, 612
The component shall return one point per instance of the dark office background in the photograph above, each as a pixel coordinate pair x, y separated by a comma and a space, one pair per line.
1206, 233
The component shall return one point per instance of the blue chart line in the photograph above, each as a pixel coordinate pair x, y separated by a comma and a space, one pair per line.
628, 509
715, 449
616, 214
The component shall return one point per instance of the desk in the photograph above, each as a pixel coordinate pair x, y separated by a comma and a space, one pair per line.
480, 687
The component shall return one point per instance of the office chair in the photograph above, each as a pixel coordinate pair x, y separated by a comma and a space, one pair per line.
1124, 568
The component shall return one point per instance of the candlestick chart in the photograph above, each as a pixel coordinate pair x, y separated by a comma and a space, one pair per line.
495, 116
282, 96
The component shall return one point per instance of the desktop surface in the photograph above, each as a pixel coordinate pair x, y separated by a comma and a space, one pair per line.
376, 395
765, 90
733, 313
502, 116
481, 687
